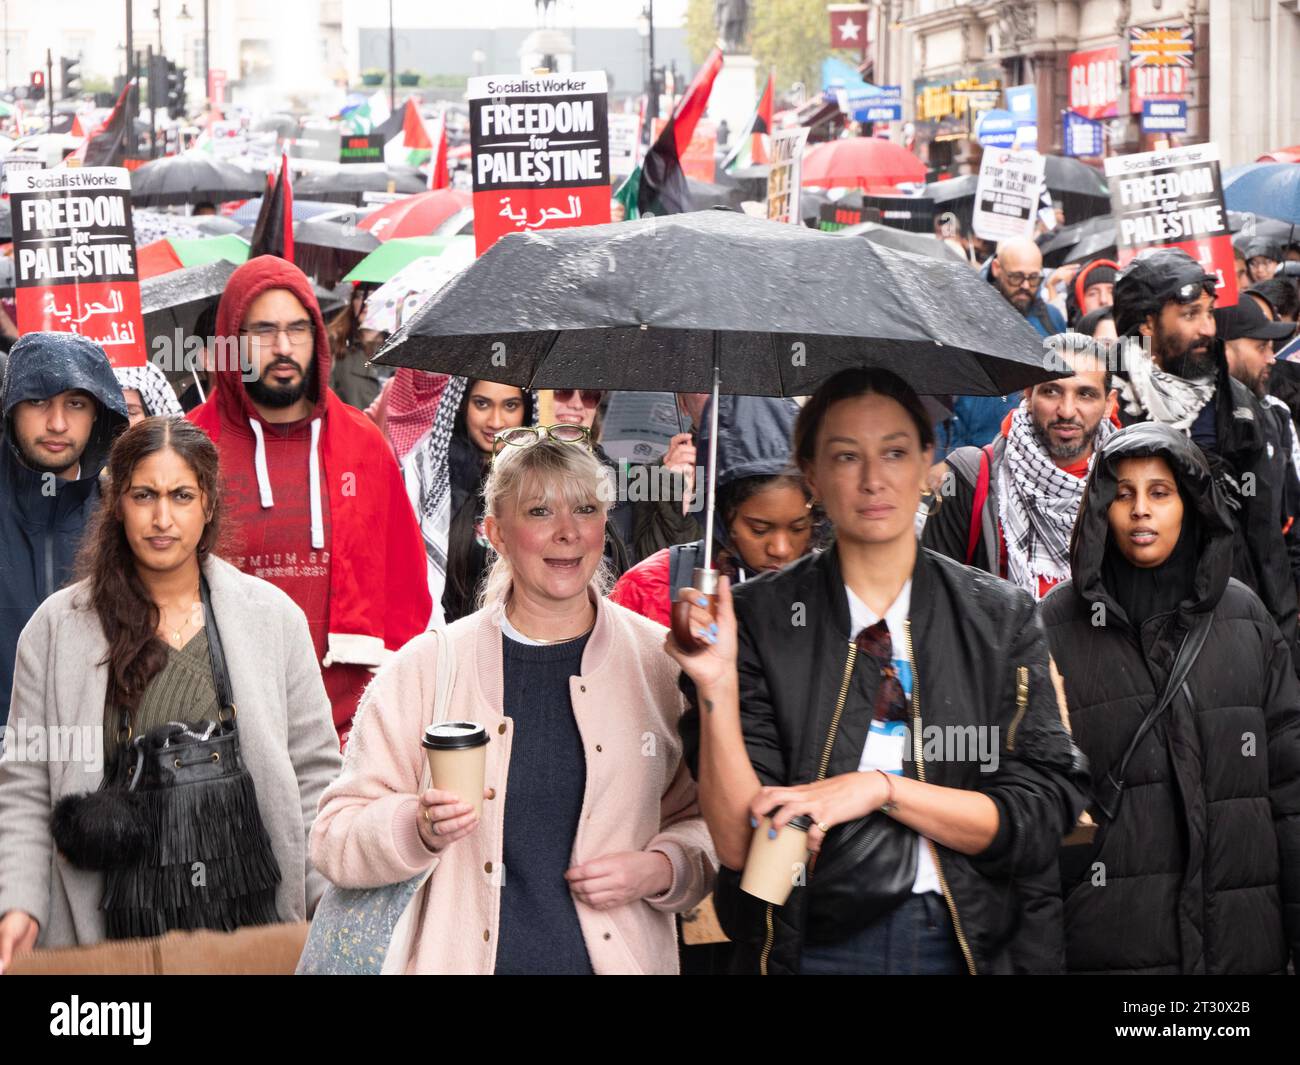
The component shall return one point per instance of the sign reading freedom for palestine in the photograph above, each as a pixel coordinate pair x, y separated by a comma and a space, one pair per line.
74, 258
540, 153
1174, 199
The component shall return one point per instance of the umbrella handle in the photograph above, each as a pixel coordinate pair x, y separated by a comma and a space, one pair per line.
706, 582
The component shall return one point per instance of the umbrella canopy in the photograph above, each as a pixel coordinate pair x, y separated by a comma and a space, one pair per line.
901, 240
1246, 227
391, 256
417, 216
156, 225
173, 253
1271, 189
639, 306
867, 163
1066, 176
193, 177
247, 212
327, 248
1083, 192
397, 299
215, 225
175, 300
348, 184
705, 195
1281, 155
1080, 242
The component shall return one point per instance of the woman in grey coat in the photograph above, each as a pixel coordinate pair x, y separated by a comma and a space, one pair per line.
124, 651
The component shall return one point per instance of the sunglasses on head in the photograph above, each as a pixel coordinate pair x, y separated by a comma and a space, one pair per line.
1192, 290
590, 397
527, 435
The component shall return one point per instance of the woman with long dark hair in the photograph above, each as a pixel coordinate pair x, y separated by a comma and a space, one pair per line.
901, 702
485, 410
162, 647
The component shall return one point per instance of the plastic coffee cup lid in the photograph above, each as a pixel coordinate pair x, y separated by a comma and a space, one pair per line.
454, 736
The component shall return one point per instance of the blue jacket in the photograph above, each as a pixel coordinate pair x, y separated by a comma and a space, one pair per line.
42, 519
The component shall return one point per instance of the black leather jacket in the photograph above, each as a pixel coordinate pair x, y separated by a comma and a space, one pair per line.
979, 658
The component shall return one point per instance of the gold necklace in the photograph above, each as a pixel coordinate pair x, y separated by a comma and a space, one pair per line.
561, 639
177, 633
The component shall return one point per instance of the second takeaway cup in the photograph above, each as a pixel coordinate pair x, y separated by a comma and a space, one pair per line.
775, 865
457, 753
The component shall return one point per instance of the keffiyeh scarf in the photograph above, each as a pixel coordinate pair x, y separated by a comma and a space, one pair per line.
1161, 397
1037, 505
426, 466
157, 396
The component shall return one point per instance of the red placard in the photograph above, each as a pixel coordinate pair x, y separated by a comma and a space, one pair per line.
1094, 82
74, 258
540, 153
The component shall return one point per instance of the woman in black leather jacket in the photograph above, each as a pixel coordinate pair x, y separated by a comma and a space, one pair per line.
929, 752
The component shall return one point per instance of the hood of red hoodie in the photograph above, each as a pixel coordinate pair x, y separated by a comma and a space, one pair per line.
245, 285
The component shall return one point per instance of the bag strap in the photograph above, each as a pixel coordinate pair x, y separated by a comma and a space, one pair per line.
217, 656
977, 506
1187, 655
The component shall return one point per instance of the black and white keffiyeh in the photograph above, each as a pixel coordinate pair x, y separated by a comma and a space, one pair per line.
427, 465
157, 396
1037, 505
1149, 392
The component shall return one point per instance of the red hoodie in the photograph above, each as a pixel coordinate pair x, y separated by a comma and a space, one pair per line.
329, 524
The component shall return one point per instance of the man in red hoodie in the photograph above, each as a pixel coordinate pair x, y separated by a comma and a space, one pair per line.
317, 500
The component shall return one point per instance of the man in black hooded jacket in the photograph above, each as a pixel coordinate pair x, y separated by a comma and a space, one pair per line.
1165, 301
62, 407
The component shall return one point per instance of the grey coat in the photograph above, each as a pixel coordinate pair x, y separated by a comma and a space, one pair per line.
286, 735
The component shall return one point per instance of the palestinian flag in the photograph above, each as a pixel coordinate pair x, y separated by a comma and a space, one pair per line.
752, 149
439, 177
658, 185
273, 233
412, 145
109, 144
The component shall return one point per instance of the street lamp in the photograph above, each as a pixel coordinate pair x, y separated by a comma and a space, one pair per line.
645, 26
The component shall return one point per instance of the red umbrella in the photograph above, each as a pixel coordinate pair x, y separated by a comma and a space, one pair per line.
416, 216
868, 163
1281, 155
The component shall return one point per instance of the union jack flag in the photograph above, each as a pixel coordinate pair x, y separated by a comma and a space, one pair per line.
1160, 46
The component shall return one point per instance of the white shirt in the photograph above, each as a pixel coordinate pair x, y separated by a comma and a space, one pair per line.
512, 633
886, 741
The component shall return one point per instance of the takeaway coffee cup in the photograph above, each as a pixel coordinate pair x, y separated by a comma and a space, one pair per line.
774, 865
457, 753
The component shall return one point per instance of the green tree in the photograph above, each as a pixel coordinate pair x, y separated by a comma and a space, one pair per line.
701, 32
791, 38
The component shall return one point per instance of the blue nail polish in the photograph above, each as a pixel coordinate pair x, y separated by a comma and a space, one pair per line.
753, 821
771, 833
701, 601
714, 628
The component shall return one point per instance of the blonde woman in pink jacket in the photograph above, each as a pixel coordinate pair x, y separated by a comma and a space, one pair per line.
590, 838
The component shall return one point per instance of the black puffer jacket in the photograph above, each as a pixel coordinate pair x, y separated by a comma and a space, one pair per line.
971, 636
1202, 864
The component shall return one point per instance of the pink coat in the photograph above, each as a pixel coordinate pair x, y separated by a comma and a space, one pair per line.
639, 794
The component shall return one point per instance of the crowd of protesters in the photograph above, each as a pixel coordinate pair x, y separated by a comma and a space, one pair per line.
1100, 574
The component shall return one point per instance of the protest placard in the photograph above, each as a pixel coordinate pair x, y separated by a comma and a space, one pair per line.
1006, 195
74, 258
1174, 199
540, 153
361, 148
624, 138
785, 175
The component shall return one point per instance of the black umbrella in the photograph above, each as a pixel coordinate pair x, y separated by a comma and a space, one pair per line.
705, 195
1083, 192
6, 220
654, 304
215, 225
1079, 242
327, 248
685, 302
193, 177
902, 240
349, 184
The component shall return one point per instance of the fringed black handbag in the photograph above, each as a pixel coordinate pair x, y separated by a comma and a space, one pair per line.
177, 831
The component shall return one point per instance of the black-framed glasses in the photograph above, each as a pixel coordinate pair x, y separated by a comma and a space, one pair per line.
527, 435
1016, 280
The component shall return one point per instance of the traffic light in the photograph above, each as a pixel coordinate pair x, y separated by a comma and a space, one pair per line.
37, 84
175, 102
157, 82
70, 80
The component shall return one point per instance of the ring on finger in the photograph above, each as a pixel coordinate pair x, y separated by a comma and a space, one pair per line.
824, 827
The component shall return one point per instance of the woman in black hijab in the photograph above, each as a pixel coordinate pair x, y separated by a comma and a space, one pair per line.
1195, 863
